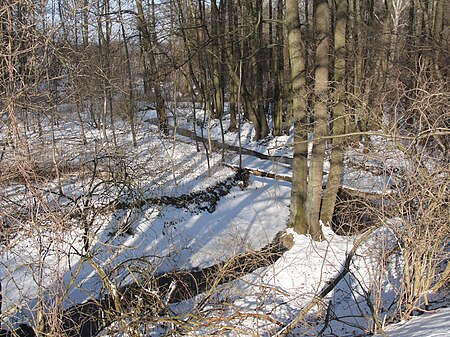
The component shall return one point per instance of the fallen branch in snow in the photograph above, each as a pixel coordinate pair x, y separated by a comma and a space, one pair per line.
240, 315
318, 299
260, 173
219, 145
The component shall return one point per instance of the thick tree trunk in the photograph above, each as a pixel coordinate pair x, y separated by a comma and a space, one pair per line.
298, 218
322, 22
339, 114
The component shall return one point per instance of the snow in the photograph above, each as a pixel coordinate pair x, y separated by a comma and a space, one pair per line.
435, 324
47, 257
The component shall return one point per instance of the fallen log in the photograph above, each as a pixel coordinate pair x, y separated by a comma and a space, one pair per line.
219, 146
260, 173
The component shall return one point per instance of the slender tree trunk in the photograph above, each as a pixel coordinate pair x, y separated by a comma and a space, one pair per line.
233, 108
18, 142
193, 80
233, 57
85, 23
131, 104
252, 74
384, 60
80, 120
107, 55
278, 92
258, 68
101, 39
218, 70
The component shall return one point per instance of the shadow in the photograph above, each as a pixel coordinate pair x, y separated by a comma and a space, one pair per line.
197, 223
171, 234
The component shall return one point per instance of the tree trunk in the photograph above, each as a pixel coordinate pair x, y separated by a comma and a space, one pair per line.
131, 104
218, 76
149, 48
233, 59
339, 114
85, 27
258, 68
298, 218
322, 22
437, 36
278, 91
252, 76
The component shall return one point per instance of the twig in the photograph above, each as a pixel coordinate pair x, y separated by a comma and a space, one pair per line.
327, 319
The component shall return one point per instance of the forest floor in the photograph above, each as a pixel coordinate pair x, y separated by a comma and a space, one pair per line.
102, 216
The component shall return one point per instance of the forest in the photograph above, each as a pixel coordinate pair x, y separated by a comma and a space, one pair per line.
223, 167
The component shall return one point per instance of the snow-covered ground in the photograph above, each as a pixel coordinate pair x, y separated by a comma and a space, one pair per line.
44, 260
434, 324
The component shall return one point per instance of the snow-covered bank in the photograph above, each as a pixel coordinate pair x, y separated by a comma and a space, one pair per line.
432, 324
44, 261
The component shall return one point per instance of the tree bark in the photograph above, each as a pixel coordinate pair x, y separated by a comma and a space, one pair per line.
339, 113
233, 61
298, 219
278, 90
321, 86
259, 69
149, 48
131, 104
218, 76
